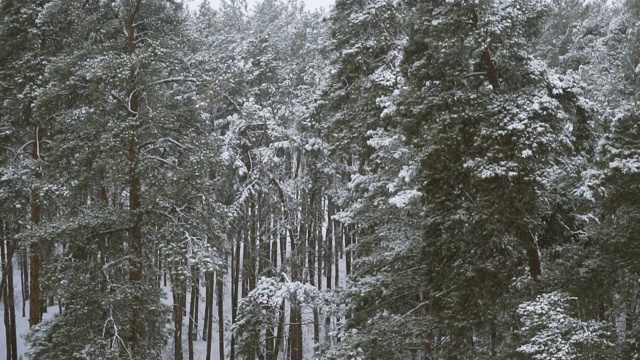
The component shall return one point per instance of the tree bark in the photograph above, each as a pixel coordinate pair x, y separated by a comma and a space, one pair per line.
35, 302
295, 316
24, 277
209, 322
220, 286
311, 253
8, 297
135, 264
235, 285
207, 308
193, 313
177, 318
533, 254
11, 299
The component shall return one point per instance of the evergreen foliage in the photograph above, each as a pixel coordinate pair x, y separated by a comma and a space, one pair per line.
396, 179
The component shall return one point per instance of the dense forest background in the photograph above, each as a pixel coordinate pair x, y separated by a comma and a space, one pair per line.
394, 179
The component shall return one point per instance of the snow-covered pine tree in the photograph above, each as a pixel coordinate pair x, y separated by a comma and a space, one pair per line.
132, 169
496, 131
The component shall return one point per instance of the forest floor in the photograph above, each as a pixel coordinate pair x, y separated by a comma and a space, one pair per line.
200, 344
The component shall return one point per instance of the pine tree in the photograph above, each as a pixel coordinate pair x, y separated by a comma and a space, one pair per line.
131, 179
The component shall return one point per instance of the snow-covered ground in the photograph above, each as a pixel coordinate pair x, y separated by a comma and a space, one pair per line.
200, 345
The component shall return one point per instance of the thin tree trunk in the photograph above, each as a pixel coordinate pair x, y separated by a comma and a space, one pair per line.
311, 253
9, 299
337, 250
136, 267
209, 322
207, 309
22, 281
193, 313
7, 322
533, 253
24, 277
35, 303
328, 262
25, 272
347, 251
8, 325
235, 281
177, 318
295, 316
280, 331
220, 286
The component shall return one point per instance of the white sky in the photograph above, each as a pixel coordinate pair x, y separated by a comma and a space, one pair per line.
309, 4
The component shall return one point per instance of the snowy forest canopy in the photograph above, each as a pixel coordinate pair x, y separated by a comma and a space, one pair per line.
394, 179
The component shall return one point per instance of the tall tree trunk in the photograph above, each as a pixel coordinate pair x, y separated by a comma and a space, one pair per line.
235, 285
177, 318
207, 308
24, 277
7, 322
338, 248
136, 267
347, 251
311, 253
279, 331
220, 286
35, 301
8, 296
209, 278
328, 261
295, 318
11, 245
273, 264
193, 314
193, 311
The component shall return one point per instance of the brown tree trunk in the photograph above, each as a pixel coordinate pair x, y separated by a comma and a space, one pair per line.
295, 318
8, 297
193, 313
7, 322
295, 326
279, 332
220, 286
207, 308
11, 300
235, 285
337, 250
533, 254
135, 266
177, 318
24, 277
209, 278
328, 261
311, 253
35, 302
22, 265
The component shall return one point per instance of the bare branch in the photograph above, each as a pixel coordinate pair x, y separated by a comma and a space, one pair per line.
175, 79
